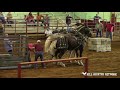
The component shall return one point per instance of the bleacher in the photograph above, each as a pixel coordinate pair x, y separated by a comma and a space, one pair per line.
57, 19
19, 26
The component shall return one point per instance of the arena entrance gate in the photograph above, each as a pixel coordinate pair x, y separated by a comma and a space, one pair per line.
19, 54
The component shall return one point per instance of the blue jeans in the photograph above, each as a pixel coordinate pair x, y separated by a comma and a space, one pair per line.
28, 58
109, 34
39, 54
99, 32
68, 27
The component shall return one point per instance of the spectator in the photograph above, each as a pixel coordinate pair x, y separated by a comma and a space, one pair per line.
46, 21
30, 18
8, 44
39, 53
25, 17
9, 18
40, 18
1, 28
109, 30
68, 21
99, 28
96, 18
2, 18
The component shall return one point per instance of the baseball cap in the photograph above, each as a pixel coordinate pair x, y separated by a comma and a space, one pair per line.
38, 41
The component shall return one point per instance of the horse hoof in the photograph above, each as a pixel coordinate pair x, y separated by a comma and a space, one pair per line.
77, 62
81, 63
62, 64
54, 62
70, 61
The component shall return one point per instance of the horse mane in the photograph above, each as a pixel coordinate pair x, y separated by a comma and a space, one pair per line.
50, 39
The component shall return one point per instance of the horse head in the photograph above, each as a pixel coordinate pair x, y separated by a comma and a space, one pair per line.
63, 31
86, 31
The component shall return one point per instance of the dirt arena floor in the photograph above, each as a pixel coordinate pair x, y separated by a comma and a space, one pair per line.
99, 62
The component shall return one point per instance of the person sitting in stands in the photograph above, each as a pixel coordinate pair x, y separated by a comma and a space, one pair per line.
46, 21
40, 18
2, 18
8, 44
30, 18
25, 17
9, 18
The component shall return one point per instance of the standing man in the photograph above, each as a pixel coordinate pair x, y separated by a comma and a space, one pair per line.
96, 18
109, 30
68, 21
8, 44
29, 49
99, 28
39, 52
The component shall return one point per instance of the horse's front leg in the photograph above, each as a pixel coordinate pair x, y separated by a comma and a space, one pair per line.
55, 56
81, 51
76, 56
70, 55
61, 53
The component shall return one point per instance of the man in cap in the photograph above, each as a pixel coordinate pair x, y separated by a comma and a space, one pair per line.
99, 28
39, 52
96, 18
109, 30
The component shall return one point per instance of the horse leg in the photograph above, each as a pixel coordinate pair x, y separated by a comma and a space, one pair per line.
60, 56
70, 55
76, 55
81, 51
56, 54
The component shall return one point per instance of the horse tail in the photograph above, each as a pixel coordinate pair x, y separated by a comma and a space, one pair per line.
47, 43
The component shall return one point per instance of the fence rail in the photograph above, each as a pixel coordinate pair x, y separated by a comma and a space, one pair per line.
58, 60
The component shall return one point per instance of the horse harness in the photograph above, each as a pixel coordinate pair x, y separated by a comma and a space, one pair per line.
62, 43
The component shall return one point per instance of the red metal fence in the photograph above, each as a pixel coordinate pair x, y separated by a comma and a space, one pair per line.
49, 61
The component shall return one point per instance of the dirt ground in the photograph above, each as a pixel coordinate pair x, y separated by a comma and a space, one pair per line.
99, 62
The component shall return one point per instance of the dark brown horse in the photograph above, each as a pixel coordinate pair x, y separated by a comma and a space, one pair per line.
70, 41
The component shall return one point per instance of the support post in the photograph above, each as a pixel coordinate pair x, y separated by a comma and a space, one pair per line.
19, 70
